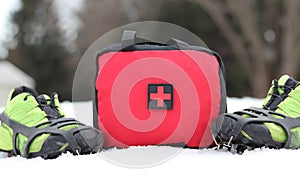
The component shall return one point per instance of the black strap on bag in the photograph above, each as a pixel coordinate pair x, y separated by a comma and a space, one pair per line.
129, 39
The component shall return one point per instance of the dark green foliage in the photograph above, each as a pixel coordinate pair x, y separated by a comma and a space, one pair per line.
39, 49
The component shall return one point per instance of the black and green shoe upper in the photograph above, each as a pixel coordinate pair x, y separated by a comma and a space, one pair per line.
34, 125
276, 125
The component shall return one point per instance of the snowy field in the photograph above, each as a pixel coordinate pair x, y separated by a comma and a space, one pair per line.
177, 168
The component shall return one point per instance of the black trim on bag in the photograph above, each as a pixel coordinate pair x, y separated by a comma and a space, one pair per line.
158, 46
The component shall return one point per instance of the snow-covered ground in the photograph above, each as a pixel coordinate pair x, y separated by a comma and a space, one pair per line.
180, 168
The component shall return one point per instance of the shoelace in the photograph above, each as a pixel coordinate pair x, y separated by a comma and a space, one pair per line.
49, 107
277, 98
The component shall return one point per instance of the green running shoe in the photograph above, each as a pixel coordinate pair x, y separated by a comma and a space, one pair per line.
276, 125
34, 125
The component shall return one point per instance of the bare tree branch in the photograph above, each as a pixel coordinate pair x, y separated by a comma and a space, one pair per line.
217, 10
245, 13
290, 53
252, 59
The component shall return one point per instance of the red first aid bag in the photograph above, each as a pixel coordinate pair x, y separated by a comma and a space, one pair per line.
149, 93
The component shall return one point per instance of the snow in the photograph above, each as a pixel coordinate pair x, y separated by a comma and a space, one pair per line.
170, 167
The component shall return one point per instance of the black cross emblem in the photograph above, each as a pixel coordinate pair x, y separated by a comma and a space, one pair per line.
160, 96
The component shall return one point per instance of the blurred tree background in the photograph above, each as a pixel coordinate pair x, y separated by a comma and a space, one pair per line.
258, 39
39, 51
